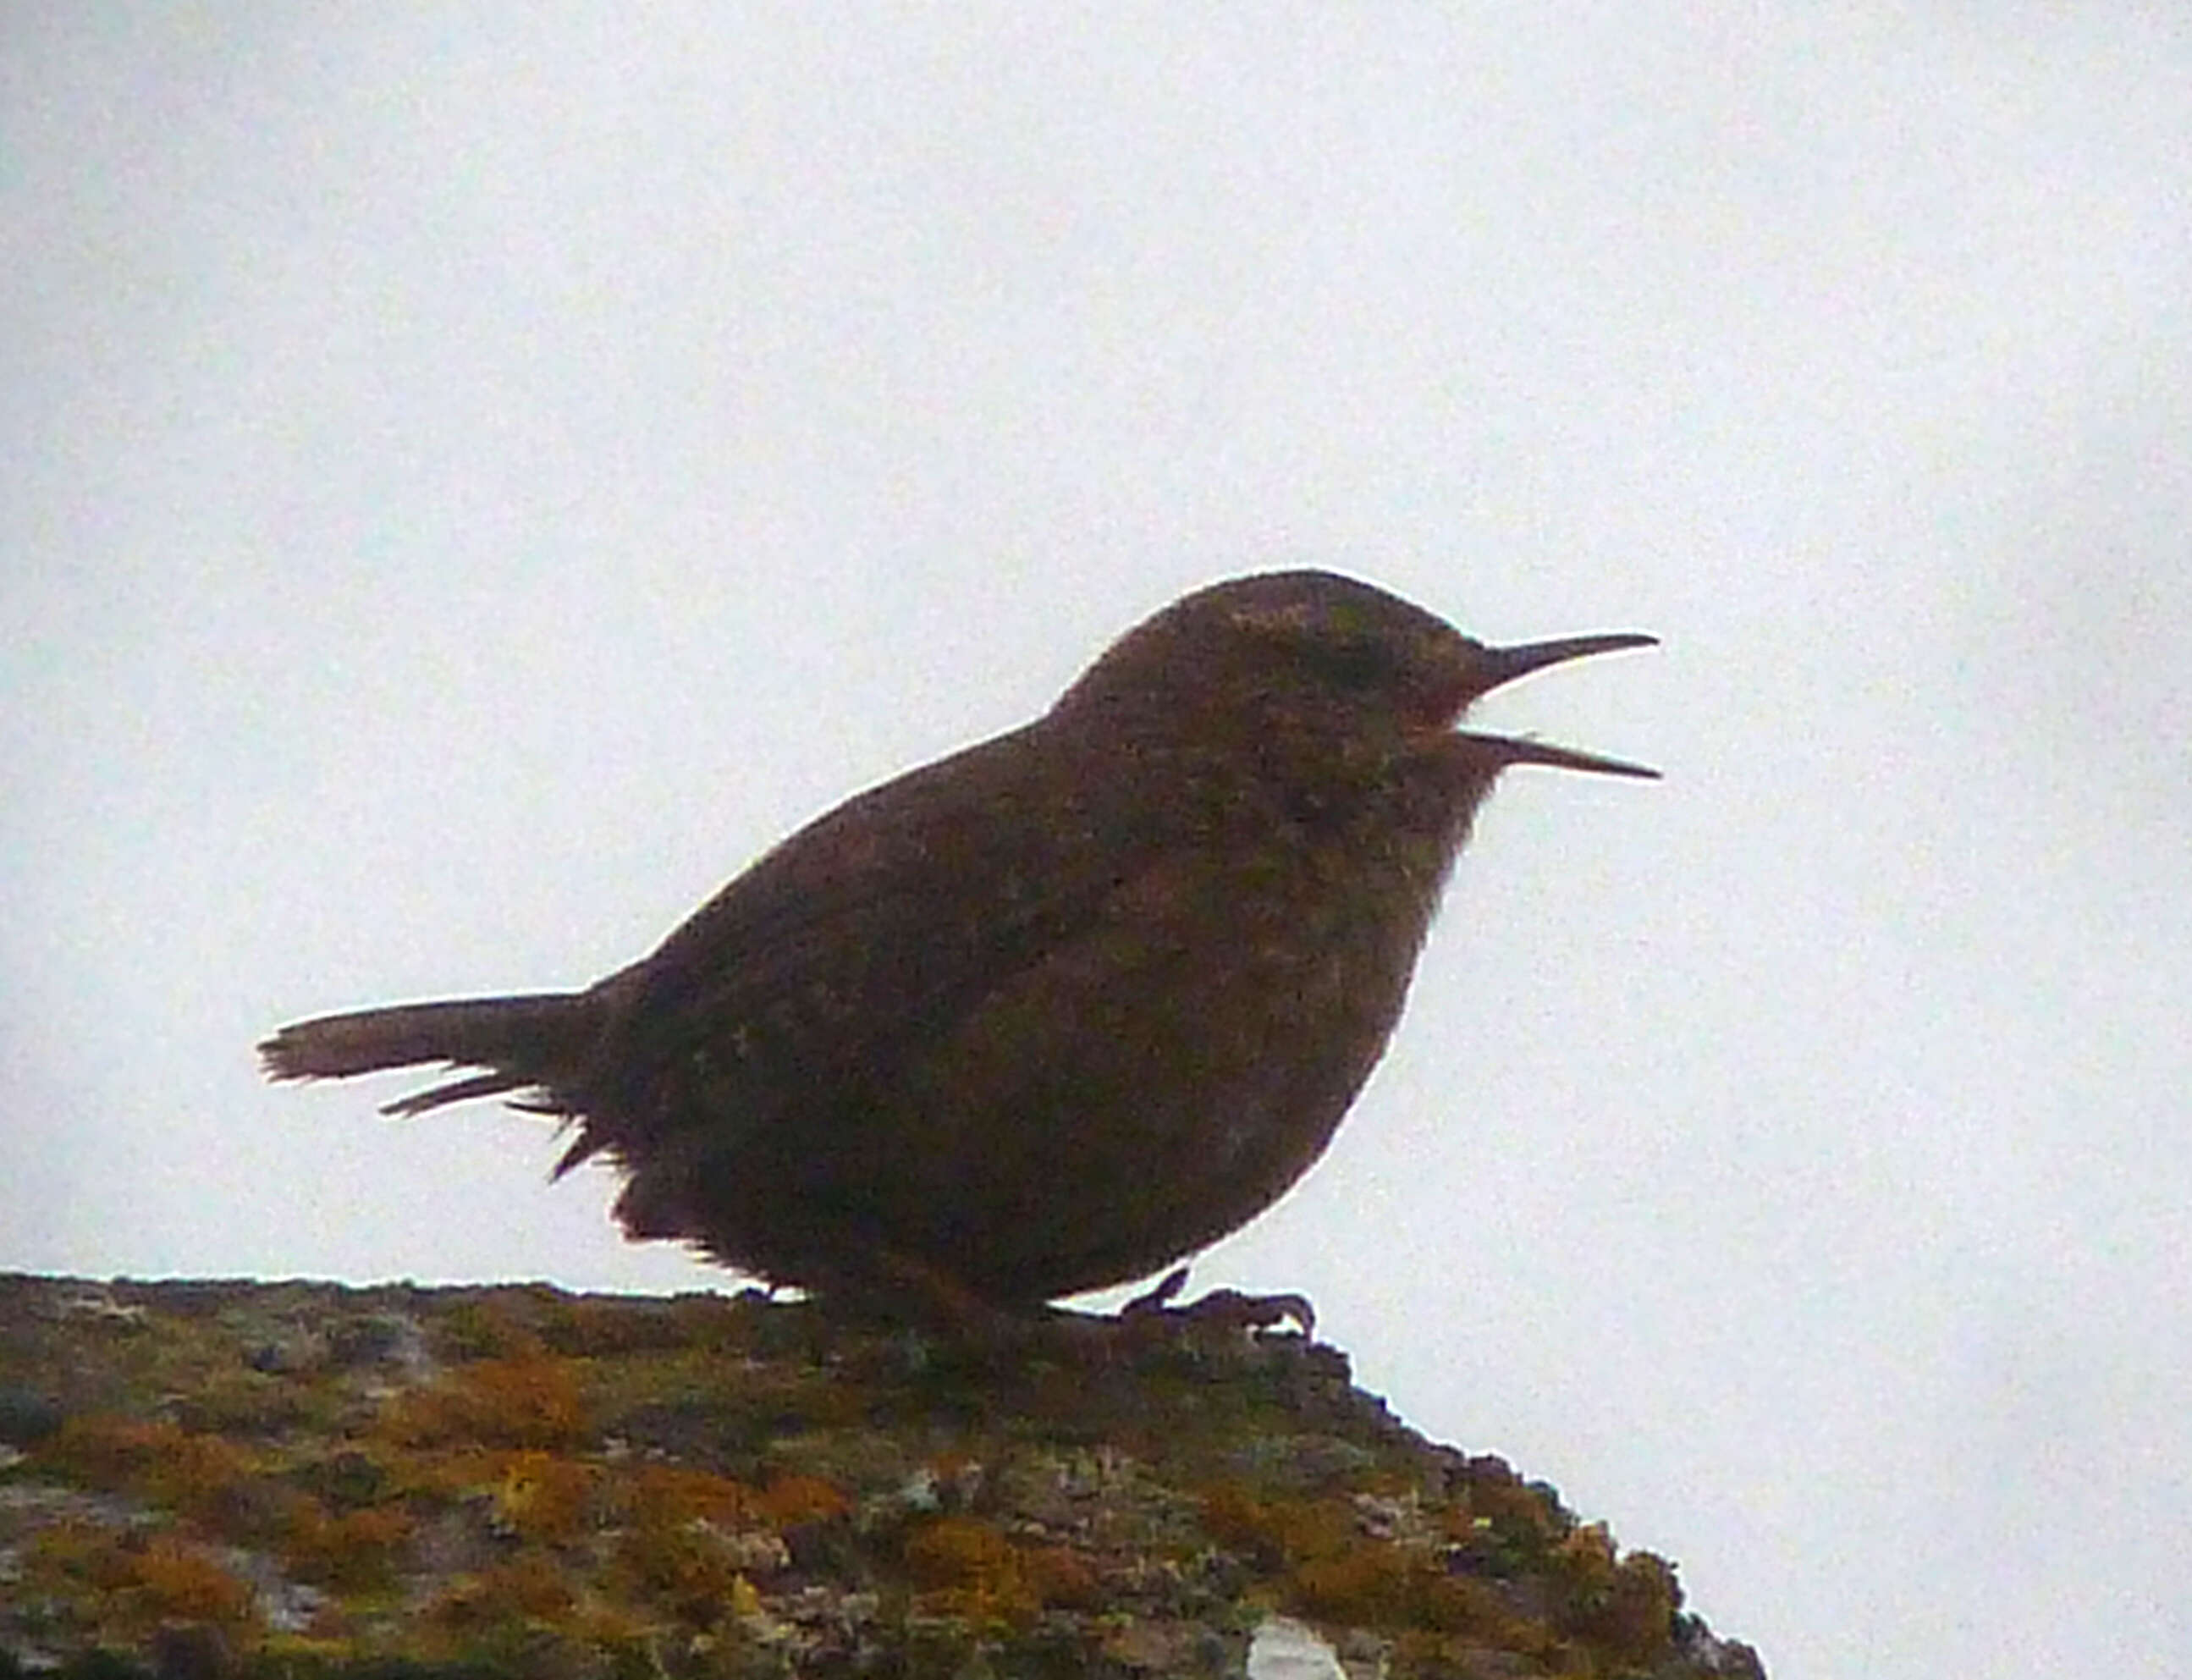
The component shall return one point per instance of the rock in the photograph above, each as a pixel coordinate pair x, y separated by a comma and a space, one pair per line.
517, 1480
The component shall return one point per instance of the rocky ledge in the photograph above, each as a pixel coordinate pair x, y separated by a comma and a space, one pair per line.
205, 1479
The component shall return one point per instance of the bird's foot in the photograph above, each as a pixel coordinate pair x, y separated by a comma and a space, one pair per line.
1222, 1321
1222, 1310
920, 1295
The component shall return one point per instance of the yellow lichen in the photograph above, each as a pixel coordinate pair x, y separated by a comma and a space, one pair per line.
963, 1566
542, 1497
693, 1566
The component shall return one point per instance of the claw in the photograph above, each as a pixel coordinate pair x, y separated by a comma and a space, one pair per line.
1221, 1308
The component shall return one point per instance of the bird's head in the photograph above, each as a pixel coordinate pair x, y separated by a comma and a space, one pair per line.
1307, 659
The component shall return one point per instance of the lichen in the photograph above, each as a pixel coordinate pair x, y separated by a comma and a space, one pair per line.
302, 1480
527, 1401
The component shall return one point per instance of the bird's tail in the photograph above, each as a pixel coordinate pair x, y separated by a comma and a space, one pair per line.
539, 1040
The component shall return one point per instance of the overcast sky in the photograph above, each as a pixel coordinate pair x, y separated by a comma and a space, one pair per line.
475, 480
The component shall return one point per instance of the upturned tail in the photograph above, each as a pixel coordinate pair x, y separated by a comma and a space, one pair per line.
539, 1040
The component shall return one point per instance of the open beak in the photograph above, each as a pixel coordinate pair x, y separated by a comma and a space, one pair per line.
1497, 666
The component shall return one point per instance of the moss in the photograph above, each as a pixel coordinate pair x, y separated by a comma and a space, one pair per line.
243, 1401
687, 1569
348, 1478
1508, 1526
1625, 1605
480, 1324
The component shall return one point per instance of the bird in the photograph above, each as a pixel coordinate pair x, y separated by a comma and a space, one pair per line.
1052, 1012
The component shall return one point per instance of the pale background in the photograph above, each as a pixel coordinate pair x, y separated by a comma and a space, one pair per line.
476, 476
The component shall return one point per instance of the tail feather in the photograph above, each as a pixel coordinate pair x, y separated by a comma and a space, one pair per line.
458, 1090
539, 1039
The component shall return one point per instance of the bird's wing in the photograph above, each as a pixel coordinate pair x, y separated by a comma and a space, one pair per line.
866, 937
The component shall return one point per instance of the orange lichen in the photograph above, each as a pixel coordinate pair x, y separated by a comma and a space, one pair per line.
1382, 1585
597, 1487
529, 1401
140, 1581
1061, 1578
671, 1493
963, 1566
686, 1538
357, 1550
177, 1581
530, 1586
1276, 1532
1328, 1568
201, 1477
791, 1500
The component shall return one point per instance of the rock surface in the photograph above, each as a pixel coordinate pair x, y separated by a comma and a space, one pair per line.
211, 1479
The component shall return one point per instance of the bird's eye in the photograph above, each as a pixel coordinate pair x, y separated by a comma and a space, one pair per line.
1351, 664
1335, 649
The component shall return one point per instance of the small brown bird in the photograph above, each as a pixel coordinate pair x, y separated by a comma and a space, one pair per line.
1051, 1012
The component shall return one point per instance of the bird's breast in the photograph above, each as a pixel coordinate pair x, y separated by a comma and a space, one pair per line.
1160, 1078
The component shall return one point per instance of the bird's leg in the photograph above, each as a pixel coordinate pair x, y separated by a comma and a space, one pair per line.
898, 1288
937, 1297
1159, 1295
1150, 1321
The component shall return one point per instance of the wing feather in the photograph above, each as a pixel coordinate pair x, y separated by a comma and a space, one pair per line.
864, 940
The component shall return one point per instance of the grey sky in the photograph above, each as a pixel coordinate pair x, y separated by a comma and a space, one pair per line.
476, 481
